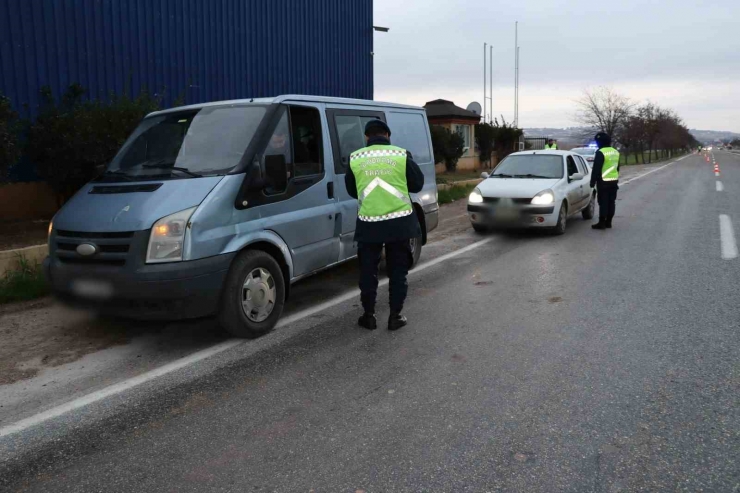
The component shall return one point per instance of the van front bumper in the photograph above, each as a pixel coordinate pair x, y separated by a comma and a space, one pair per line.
168, 291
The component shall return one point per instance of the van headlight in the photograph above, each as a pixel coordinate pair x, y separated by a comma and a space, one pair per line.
545, 197
168, 237
475, 197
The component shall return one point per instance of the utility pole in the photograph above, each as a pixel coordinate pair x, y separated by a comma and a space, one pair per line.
517, 86
484, 81
516, 74
490, 86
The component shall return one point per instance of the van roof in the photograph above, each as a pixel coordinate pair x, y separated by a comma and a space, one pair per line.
291, 97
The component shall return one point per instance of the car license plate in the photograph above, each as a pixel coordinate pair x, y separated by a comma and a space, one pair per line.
92, 289
507, 214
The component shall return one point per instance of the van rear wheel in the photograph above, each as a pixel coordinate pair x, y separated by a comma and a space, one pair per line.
253, 296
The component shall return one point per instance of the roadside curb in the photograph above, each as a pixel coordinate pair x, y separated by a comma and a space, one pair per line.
447, 186
9, 259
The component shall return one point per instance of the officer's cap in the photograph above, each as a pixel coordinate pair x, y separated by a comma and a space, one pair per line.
373, 126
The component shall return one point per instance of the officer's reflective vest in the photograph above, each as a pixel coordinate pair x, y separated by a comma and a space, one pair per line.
610, 170
382, 191
554, 147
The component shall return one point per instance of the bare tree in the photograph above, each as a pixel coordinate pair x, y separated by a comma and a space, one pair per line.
603, 110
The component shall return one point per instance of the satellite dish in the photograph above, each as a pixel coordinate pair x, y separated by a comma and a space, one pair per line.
475, 108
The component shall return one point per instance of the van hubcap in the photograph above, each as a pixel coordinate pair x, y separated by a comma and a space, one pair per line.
258, 295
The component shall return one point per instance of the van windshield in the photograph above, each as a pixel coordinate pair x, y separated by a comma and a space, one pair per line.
186, 144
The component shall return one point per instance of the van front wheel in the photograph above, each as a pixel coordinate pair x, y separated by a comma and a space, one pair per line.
253, 296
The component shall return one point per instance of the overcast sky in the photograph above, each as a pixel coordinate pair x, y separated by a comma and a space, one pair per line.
677, 53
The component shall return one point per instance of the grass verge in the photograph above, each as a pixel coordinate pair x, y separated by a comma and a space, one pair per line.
456, 192
25, 283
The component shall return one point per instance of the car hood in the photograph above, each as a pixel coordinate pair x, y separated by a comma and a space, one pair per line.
515, 187
127, 209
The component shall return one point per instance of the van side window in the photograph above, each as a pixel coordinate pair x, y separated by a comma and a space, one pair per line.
277, 176
410, 132
307, 143
351, 135
297, 138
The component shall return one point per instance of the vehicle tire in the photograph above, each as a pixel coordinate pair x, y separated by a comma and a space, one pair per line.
588, 212
559, 228
479, 228
253, 295
416, 244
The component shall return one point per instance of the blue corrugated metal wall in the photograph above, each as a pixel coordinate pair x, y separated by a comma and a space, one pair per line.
205, 49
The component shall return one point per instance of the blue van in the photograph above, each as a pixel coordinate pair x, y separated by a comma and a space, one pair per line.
218, 208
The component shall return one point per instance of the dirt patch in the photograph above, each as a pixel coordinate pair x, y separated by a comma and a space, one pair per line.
40, 334
21, 234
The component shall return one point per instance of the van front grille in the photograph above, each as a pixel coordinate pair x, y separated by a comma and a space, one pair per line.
110, 248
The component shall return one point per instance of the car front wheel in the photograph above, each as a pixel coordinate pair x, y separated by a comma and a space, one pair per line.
562, 220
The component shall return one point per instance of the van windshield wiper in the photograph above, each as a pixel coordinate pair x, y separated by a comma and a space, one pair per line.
501, 175
176, 168
530, 175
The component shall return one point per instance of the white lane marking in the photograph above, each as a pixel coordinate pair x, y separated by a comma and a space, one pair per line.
649, 172
727, 235
130, 383
720, 187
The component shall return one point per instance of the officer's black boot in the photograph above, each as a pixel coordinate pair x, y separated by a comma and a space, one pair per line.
367, 320
396, 321
600, 225
608, 223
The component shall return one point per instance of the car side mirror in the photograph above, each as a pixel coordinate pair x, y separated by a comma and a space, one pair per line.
576, 176
484, 175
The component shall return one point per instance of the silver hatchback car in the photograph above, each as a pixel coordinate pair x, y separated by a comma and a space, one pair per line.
533, 189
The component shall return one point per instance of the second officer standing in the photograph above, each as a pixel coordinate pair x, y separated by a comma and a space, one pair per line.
380, 177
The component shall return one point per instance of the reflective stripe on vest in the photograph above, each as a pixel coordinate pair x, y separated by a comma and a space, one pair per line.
380, 173
610, 170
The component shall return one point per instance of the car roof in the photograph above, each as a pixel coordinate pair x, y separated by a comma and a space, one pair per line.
542, 151
291, 98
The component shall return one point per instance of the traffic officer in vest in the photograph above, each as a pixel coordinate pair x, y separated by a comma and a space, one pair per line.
551, 145
605, 176
380, 178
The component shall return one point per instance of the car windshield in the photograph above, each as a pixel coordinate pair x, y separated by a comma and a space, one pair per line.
187, 144
530, 166
585, 151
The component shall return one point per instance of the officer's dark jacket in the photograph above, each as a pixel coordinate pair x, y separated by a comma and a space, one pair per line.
400, 228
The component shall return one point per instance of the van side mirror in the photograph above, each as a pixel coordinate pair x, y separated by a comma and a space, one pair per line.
256, 181
484, 175
276, 172
576, 176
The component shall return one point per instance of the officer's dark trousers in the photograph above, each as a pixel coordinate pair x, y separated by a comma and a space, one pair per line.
607, 195
398, 260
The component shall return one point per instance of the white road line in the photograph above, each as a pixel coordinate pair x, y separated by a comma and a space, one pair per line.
649, 172
727, 235
130, 383
720, 186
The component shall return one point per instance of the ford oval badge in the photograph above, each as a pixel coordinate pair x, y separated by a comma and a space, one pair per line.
86, 249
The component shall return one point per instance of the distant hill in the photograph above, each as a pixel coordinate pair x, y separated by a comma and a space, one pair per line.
580, 135
710, 136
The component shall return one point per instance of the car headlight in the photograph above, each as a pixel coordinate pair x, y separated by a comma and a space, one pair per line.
475, 197
545, 197
168, 237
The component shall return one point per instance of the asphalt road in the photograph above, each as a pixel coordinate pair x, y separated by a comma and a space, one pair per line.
597, 361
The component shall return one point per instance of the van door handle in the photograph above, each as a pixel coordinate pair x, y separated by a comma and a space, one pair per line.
330, 189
